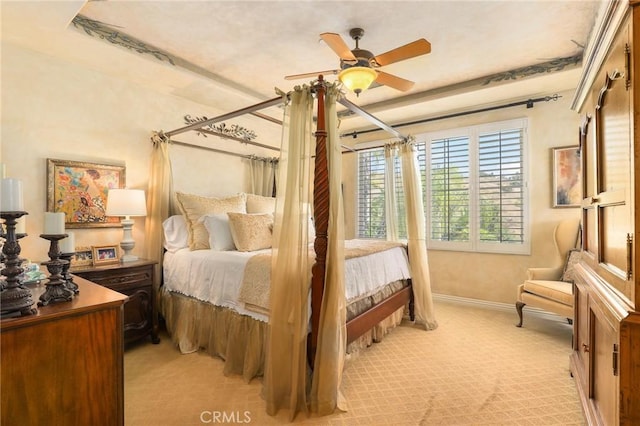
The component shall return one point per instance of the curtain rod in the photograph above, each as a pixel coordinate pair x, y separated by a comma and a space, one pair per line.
247, 110
271, 102
529, 103
207, 148
234, 138
381, 124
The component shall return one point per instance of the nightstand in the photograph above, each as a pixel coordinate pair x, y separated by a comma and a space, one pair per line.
134, 279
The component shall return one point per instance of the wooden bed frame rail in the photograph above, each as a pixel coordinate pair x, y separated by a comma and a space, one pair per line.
364, 322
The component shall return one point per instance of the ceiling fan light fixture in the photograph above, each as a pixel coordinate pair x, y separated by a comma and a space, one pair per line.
357, 79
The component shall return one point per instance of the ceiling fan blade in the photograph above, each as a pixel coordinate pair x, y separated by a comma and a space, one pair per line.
394, 81
337, 44
411, 50
311, 74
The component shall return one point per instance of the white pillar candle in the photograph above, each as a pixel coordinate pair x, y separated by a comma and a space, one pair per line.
21, 225
68, 245
11, 195
53, 223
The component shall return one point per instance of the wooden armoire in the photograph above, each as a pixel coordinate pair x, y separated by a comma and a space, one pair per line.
605, 362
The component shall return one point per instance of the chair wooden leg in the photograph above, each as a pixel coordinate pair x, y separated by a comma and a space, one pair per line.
519, 306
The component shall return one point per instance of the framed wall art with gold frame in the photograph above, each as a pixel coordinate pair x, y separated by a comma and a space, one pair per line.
79, 190
567, 176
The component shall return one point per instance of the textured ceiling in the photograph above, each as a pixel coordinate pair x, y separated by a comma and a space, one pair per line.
231, 54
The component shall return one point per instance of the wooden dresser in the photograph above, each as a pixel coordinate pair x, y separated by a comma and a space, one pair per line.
64, 365
135, 279
606, 353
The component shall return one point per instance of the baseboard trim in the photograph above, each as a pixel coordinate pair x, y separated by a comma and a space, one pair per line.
498, 306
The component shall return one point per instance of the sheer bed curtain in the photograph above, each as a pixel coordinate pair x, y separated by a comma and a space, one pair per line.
390, 201
263, 175
158, 200
332, 333
415, 219
285, 375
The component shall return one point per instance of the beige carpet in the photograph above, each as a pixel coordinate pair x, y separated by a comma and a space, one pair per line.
477, 368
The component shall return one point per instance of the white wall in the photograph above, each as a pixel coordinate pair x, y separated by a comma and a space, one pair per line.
494, 277
55, 109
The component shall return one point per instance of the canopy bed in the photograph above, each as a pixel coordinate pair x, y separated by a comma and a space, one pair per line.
306, 308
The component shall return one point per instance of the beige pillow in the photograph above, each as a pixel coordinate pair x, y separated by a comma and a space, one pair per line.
193, 207
251, 232
260, 204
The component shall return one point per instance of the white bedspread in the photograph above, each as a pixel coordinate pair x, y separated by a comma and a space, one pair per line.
216, 276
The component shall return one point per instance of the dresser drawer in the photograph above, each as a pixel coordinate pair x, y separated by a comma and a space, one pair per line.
121, 279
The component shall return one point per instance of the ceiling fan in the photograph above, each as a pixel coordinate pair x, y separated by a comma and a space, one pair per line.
359, 67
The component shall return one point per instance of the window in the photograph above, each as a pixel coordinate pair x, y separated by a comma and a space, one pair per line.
449, 189
371, 214
371, 195
475, 193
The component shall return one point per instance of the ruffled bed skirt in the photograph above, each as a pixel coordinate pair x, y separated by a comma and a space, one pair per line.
239, 339
196, 325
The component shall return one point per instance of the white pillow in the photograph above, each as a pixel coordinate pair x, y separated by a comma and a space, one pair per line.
217, 225
176, 234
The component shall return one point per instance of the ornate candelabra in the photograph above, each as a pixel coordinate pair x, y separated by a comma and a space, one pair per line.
15, 299
56, 290
68, 278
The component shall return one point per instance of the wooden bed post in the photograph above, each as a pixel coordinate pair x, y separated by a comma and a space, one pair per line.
321, 220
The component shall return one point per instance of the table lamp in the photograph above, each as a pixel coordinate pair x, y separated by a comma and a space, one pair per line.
126, 203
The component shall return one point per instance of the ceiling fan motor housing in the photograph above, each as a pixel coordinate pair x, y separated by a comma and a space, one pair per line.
364, 58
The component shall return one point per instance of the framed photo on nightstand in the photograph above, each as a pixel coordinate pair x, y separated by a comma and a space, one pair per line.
83, 257
104, 255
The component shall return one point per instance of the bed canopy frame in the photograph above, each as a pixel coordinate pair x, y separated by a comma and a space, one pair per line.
364, 322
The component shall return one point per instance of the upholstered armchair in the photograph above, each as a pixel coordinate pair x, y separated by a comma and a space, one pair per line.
551, 288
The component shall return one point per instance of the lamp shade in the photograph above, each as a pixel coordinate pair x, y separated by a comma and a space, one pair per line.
126, 202
357, 79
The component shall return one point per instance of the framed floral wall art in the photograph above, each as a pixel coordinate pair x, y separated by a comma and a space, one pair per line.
79, 190
567, 177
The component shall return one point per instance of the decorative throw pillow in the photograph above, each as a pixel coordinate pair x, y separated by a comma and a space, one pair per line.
260, 204
217, 225
573, 257
251, 232
193, 207
176, 234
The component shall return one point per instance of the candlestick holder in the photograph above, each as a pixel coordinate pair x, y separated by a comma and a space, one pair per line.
15, 299
66, 275
56, 290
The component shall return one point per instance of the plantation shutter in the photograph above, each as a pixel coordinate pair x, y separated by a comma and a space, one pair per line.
371, 218
449, 196
371, 205
500, 187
